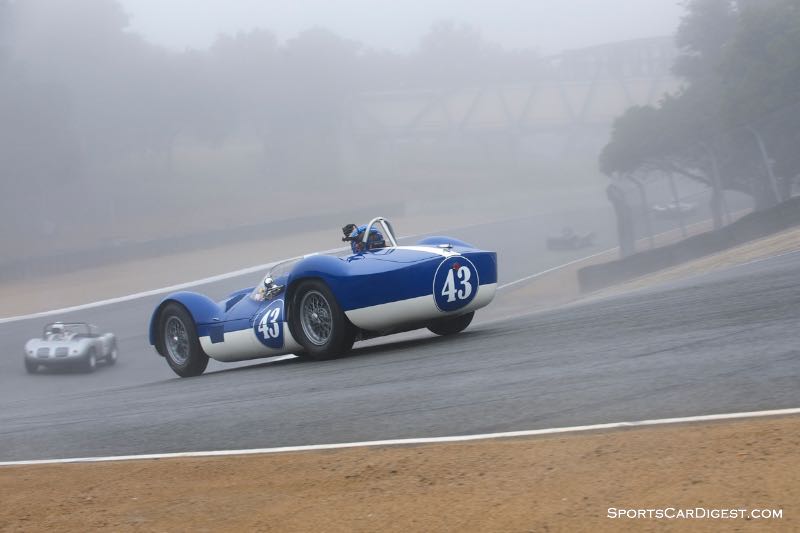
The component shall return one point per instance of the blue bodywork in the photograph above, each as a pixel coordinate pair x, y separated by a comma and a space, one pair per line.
385, 275
360, 280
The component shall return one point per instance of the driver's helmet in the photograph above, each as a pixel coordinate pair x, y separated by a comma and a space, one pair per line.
374, 241
56, 329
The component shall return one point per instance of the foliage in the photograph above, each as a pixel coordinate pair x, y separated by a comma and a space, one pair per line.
741, 65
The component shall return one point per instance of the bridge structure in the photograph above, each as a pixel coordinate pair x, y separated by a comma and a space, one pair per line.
570, 105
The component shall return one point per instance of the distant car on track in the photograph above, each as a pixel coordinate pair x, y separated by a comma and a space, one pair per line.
317, 306
70, 344
674, 209
569, 240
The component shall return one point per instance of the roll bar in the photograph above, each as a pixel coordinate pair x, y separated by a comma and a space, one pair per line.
387, 230
90, 328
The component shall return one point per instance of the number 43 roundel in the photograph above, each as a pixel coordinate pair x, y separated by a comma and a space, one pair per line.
455, 283
268, 325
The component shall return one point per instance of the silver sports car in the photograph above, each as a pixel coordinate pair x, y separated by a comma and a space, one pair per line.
74, 344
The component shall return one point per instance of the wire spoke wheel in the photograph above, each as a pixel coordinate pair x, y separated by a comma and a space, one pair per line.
316, 318
176, 340
317, 322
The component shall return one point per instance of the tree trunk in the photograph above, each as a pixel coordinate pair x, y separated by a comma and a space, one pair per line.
763, 196
717, 193
676, 198
625, 230
772, 182
716, 209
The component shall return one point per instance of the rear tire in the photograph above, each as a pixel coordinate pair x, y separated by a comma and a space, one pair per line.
178, 342
318, 323
451, 325
31, 366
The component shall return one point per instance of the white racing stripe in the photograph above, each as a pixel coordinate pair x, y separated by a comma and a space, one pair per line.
429, 440
434, 250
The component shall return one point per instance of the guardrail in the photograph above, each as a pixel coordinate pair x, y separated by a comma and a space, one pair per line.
747, 228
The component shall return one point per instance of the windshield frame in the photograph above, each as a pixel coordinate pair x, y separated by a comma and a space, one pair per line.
388, 231
69, 329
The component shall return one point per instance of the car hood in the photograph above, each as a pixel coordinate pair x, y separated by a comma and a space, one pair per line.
409, 254
41, 343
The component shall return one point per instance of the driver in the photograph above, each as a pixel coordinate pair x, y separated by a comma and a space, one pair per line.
355, 234
55, 331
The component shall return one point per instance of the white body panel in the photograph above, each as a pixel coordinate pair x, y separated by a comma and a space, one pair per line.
102, 344
386, 316
243, 345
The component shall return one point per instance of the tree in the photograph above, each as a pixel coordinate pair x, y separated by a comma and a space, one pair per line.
734, 124
765, 65
312, 91
243, 69
703, 38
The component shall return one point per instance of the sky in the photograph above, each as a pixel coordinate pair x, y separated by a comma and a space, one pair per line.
548, 26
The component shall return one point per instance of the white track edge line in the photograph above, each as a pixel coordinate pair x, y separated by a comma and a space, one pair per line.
549, 270
170, 288
553, 269
228, 275
425, 440
154, 292
257, 268
177, 287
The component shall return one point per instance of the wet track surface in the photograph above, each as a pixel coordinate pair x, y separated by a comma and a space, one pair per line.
722, 342
139, 364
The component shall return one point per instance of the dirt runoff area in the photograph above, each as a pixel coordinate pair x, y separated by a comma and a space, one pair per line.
567, 482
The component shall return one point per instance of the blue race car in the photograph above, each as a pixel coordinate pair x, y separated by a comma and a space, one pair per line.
317, 306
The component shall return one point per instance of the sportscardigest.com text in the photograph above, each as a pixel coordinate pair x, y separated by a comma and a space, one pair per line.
694, 513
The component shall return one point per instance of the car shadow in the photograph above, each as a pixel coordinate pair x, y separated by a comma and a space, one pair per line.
262, 364
385, 346
405, 344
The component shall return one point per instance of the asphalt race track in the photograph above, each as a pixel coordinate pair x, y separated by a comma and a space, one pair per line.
721, 342
139, 364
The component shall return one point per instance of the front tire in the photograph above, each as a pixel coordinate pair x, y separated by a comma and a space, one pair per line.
31, 366
451, 325
318, 323
89, 362
111, 358
178, 342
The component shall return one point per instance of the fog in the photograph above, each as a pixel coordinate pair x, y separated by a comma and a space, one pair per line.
130, 122
147, 144
544, 25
